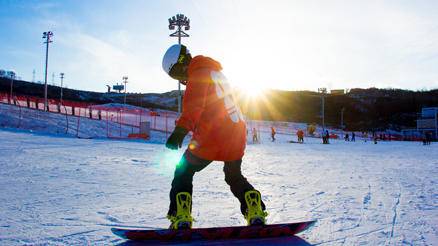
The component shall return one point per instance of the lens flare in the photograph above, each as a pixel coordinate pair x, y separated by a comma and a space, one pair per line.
167, 160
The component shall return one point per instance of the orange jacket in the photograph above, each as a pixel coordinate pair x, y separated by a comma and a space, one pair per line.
210, 112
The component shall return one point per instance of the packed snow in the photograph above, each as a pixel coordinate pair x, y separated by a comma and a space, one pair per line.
60, 190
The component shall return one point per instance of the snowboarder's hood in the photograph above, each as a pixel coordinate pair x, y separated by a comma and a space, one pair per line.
199, 62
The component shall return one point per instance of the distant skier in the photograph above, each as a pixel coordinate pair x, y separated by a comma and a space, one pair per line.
375, 137
353, 137
273, 132
255, 138
427, 138
326, 137
347, 137
219, 134
300, 135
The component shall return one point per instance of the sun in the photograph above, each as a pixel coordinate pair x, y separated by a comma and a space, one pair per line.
253, 91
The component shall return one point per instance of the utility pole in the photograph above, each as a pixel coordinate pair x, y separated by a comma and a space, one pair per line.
125, 80
62, 80
342, 118
46, 36
12, 85
323, 91
179, 21
436, 124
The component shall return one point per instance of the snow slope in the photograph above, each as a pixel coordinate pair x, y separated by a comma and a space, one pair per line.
68, 191
65, 125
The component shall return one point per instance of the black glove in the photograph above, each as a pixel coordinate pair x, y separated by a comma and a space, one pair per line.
176, 138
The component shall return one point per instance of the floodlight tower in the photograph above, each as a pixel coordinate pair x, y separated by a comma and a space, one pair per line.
125, 80
62, 80
47, 36
179, 21
12, 86
342, 118
323, 92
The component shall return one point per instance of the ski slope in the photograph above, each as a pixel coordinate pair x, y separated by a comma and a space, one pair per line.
59, 190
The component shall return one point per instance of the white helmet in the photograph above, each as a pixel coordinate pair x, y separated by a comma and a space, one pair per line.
177, 53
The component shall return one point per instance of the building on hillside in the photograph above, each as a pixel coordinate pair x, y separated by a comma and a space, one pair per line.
428, 122
7, 74
337, 92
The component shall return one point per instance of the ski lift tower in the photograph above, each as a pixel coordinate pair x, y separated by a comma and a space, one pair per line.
179, 21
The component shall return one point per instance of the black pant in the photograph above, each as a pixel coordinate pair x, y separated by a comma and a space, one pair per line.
190, 164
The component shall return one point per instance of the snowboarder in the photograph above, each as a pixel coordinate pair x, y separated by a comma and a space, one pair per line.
353, 137
273, 132
219, 134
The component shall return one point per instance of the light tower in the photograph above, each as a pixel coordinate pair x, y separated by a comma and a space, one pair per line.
125, 80
323, 91
12, 86
342, 118
47, 36
179, 21
62, 80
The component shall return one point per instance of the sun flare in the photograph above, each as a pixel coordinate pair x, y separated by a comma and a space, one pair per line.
253, 91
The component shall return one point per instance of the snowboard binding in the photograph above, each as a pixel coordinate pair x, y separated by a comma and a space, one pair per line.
254, 213
183, 218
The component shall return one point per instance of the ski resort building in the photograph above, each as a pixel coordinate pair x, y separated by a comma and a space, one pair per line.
428, 121
7, 74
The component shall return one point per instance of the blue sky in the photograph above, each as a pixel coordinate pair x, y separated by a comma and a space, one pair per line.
290, 45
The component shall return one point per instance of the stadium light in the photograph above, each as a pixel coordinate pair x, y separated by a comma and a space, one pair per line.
179, 21
47, 36
323, 91
12, 85
125, 80
62, 80
342, 118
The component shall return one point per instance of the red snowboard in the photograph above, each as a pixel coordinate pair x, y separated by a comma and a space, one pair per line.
215, 233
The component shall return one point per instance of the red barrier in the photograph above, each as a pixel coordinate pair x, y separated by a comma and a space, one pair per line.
118, 120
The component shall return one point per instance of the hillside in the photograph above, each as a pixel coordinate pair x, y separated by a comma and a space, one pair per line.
148, 100
364, 109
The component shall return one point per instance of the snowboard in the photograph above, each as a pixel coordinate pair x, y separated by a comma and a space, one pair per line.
214, 233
